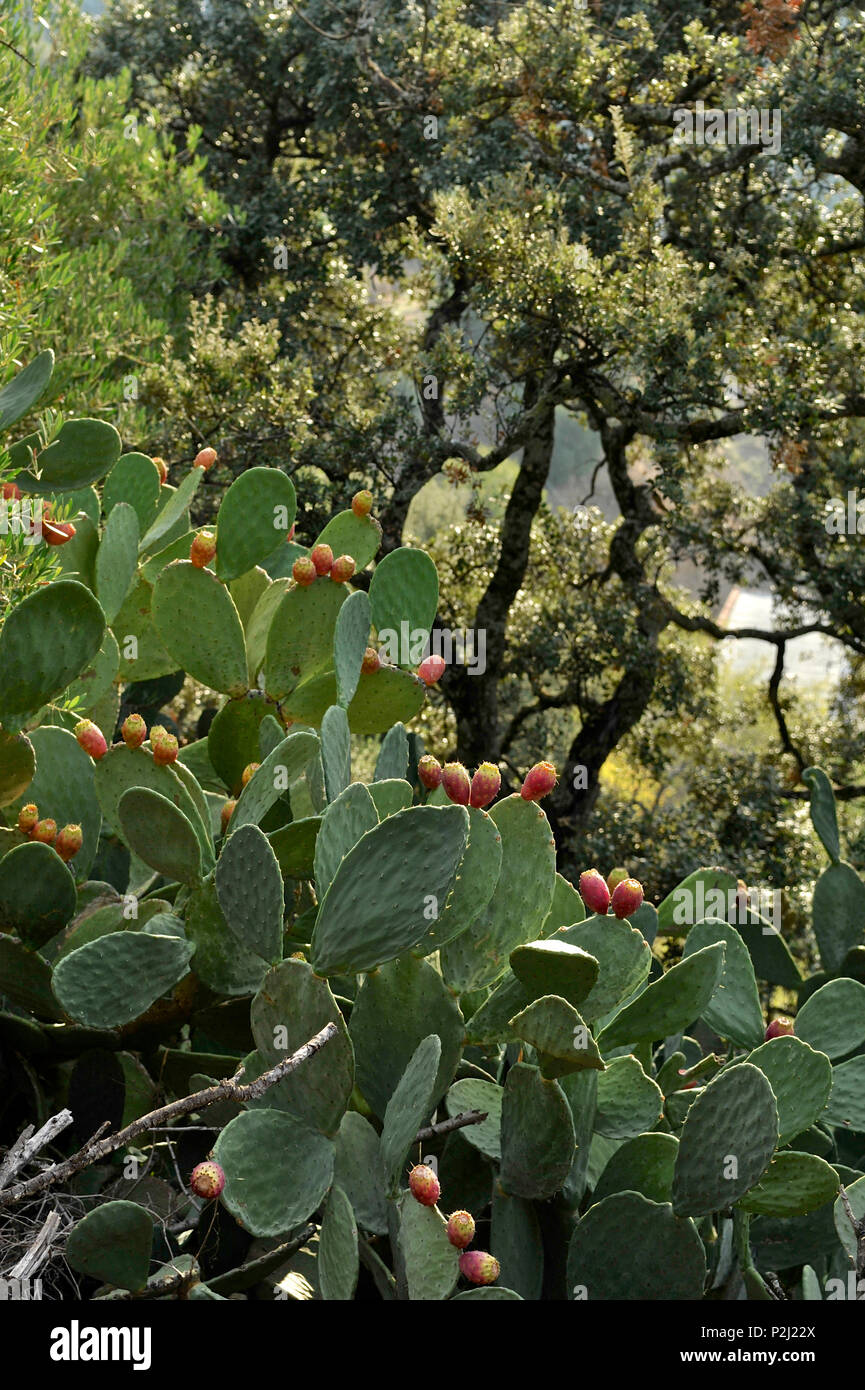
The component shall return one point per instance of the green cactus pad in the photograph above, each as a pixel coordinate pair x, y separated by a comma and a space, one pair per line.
250, 892
82, 453
37, 893
171, 517
256, 513
220, 961
117, 559
142, 655
487, 1292
382, 698
284, 765
554, 1028
122, 769
630, 1248
347, 534
537, 1135
300, 636
846, 1234
477, 877
520, 902
357, 1170
233, 737
391, 796
25, 979
392, 760
554, 967
114, 980
294, 847
768, 950
161, 835
628, 1102
734, 1010
77, 558
348, 817
246, 592
832, 1019
23, 390
46, 641
473, 1094
291, 1006
846, 1104
337, 1248
62, 788
408, 1108
396, 1007
404, 589
113, 1242
491, 1022
177, 549
199, 625
388, 889
838, 910
566, 909
277, 1170
793, 1185
17, 766
623, 956
644, 1164
134, 479
515, 1241
727, 1141
431, 1263
335, 751
350, 639
823, 814
580, 1090
694, 898
671, 1003
97, 679
801, 1079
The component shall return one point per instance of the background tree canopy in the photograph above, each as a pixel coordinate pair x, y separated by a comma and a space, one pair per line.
459, 253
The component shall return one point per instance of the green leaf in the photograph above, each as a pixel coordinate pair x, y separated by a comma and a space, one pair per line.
113, 1243
117, 559
23, 391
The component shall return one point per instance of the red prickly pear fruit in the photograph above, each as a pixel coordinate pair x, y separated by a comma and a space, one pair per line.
322, 557
91, 739
303, 571
205, 458
69, 842
207, 1180
162, 468
371, 662
424, 1185
57, 532
779, 1027
479, 1267
461, 1229
539, 782
456, 783
361, 503
615, 877
133, 731
27, 817
627, 897
429, 770
44, 831
226, 814
249, 771
486, 785
594, 892
203, 549
163, 745
11, 492
343, 568
431, 669
290, 536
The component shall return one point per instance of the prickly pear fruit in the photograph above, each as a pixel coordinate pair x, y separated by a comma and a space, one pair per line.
207, 1180
203, 549
162, 467
322, 557
461, 1229
479, 1267
225, 814
133, 731
424, 1185
429, 770
431, 669
44, 831
163, 745
57, 532
539, 782
455, 781
627, 897
779, 1027
371, 661
11, 492
594, 892
486, 785
343, 569
361, 503
69, 842
249, 771
303, 571
27, 817
91, 739
205, 458
615, 877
